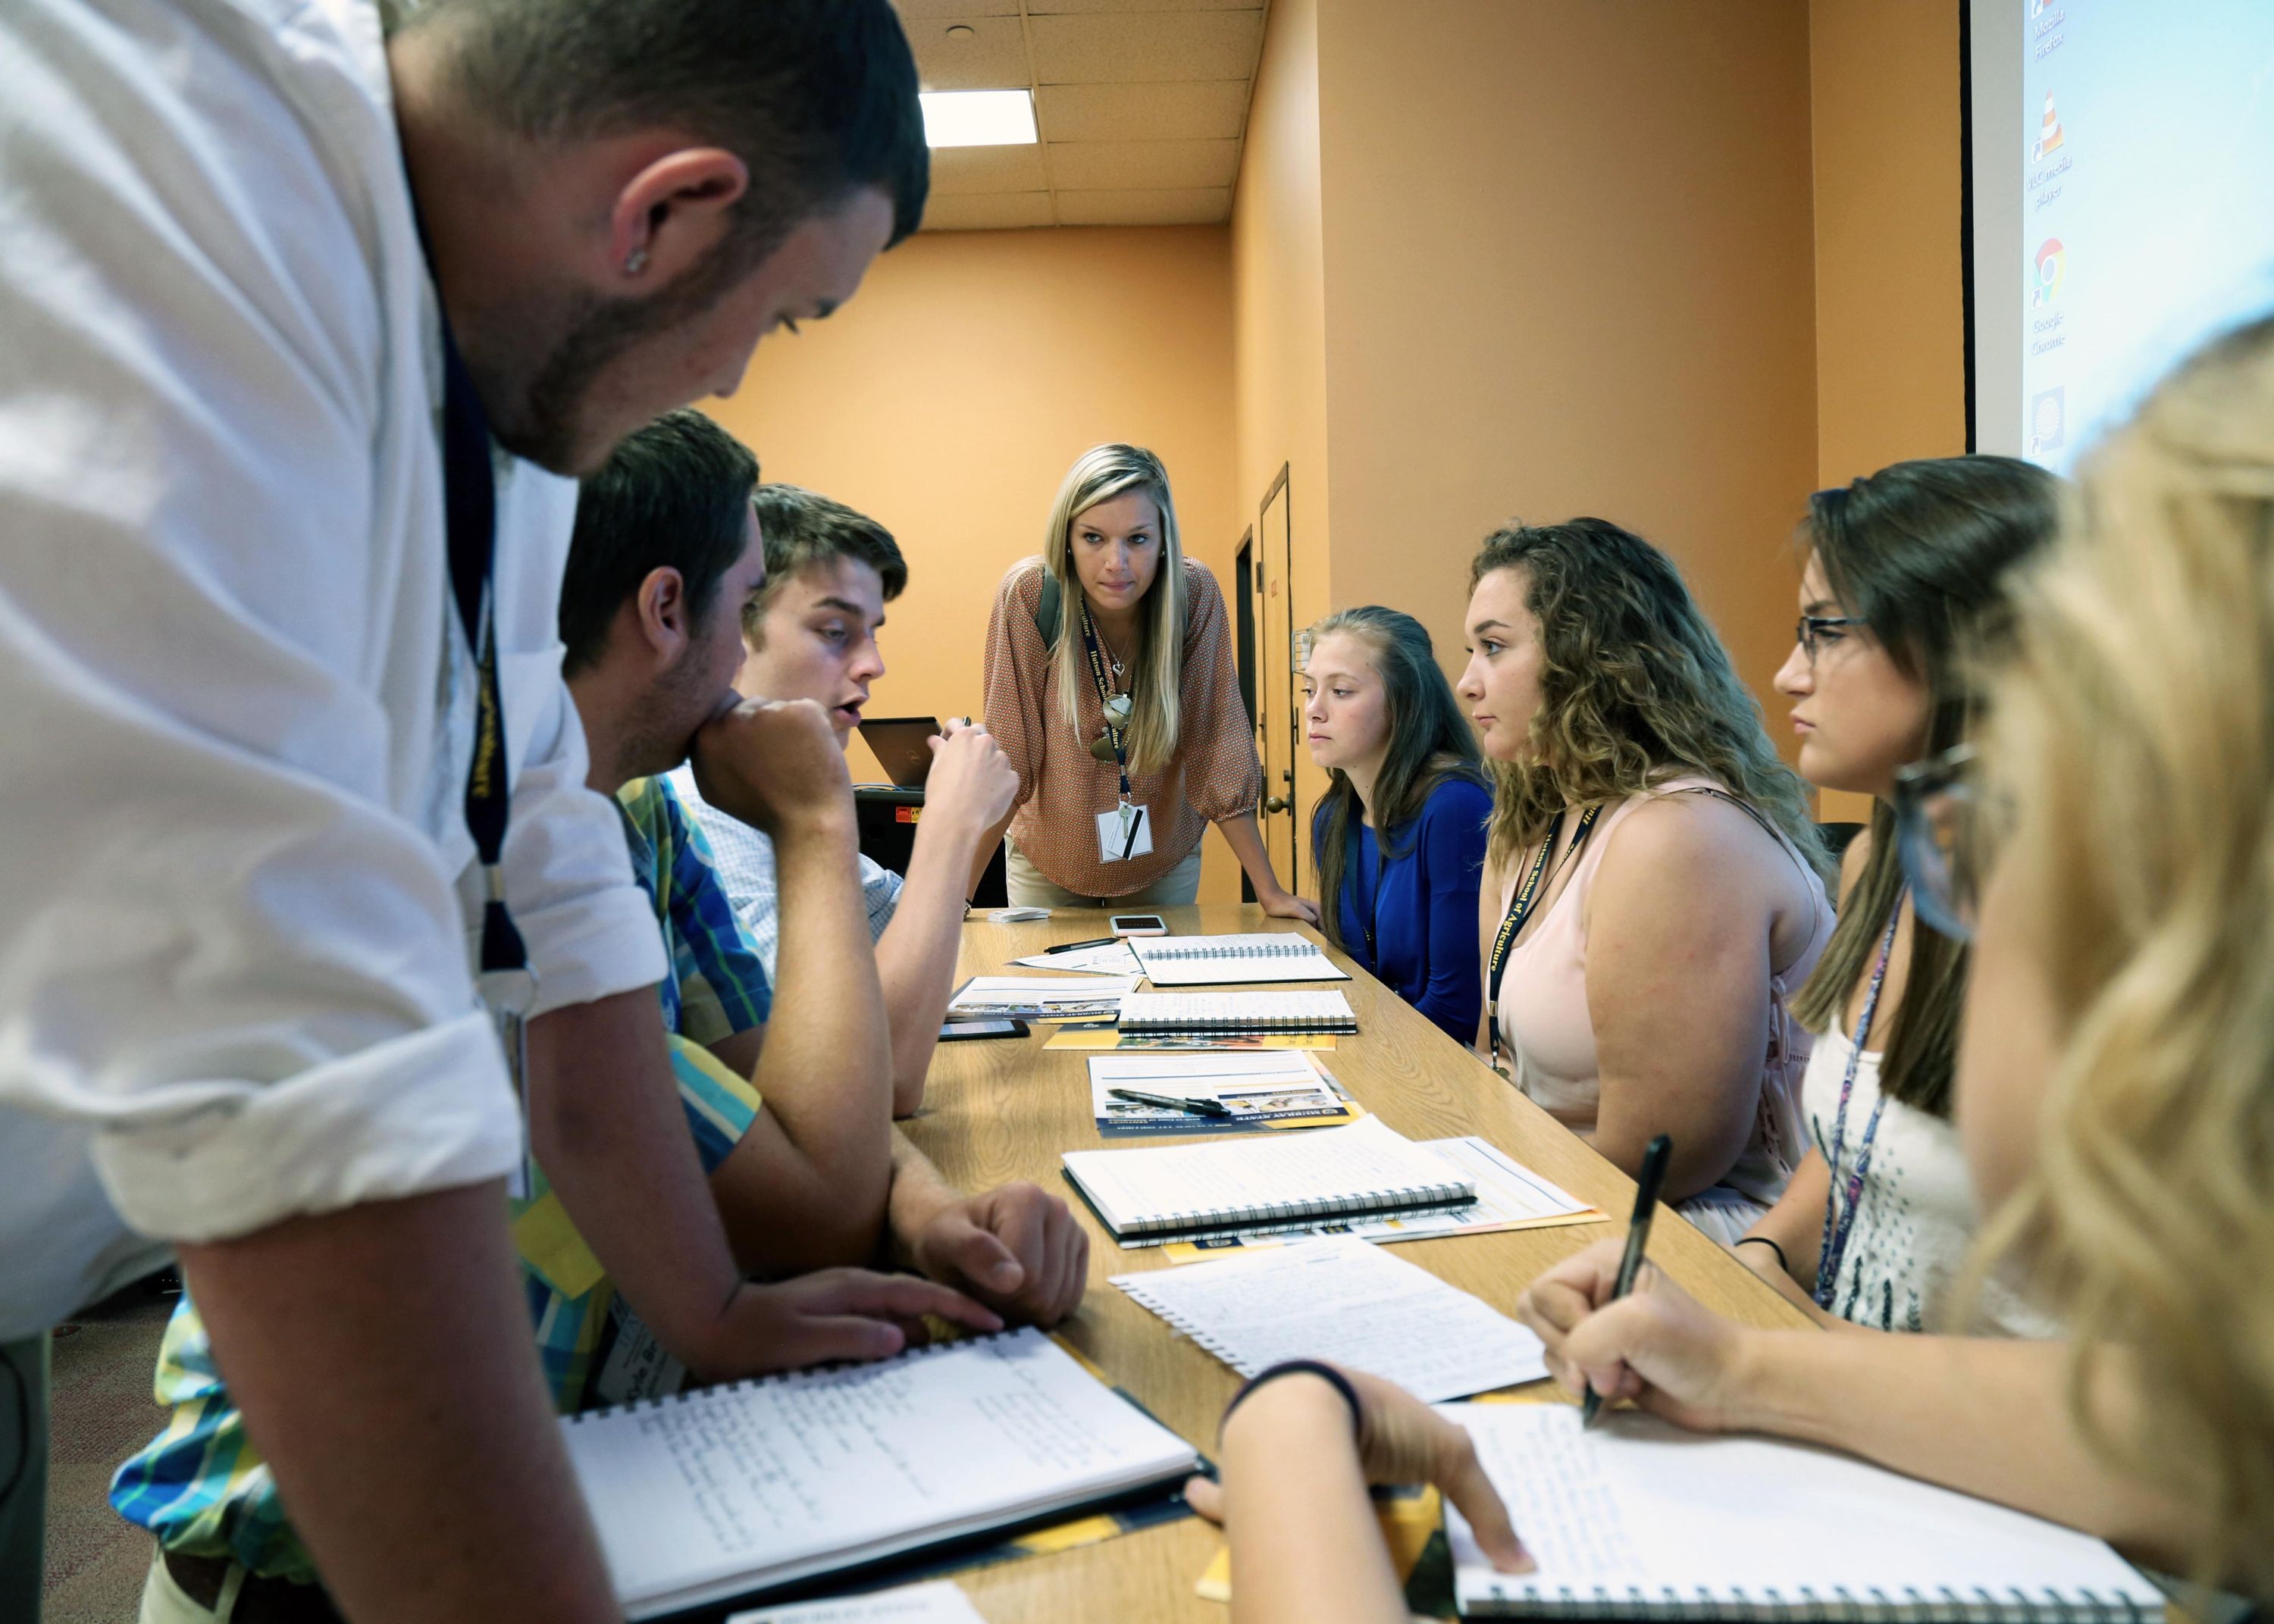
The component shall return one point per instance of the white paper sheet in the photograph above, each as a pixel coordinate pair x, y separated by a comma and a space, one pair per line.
1349, 1302
939, 1602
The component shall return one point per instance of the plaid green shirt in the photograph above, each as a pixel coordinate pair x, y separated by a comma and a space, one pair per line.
202, 1488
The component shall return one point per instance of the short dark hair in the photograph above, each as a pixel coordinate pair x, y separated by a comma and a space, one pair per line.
675, 496
802, 527
817, 98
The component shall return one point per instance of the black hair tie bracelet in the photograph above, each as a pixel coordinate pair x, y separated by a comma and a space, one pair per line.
1327, 1373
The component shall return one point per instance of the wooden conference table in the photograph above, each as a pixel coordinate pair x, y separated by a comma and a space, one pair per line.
999, 1111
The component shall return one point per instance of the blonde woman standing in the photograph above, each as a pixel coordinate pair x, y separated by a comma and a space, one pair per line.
1110, 687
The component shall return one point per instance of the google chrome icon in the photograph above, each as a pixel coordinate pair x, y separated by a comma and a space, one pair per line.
2053, 270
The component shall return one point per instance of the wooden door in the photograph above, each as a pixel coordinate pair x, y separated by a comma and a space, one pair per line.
1278, 716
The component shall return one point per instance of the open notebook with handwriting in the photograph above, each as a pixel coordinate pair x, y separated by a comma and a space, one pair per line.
746, 1488
1640, 1519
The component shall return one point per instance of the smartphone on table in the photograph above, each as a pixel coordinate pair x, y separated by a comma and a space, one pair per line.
1138, 925
957, 1031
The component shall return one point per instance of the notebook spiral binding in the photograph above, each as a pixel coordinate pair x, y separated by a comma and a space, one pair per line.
1177, 1322
1805, 1604
776, 1377
1295, 947
1446, 1194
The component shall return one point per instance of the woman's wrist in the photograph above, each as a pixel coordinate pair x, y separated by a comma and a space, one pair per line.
1298, 1403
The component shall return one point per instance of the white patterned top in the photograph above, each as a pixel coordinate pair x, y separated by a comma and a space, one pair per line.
1916, 1217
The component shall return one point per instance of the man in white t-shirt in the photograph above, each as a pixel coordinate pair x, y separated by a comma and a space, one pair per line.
239, 888
811, 634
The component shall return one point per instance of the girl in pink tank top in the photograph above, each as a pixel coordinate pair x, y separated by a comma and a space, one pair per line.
1638, 975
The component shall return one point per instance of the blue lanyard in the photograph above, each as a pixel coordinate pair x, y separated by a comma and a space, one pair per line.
1833, 1247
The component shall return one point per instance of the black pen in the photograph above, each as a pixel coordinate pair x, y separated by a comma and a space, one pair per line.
1198, 1107
1647, 1182
1068, 947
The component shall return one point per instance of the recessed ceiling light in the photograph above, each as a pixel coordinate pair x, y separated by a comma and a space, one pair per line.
978, 118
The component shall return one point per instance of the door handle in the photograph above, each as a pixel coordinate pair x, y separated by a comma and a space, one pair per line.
1275, 803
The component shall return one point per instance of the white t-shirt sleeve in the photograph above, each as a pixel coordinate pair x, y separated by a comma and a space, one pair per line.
228, 946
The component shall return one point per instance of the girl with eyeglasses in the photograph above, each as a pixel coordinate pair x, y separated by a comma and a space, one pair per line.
2114, 1077
1905, 572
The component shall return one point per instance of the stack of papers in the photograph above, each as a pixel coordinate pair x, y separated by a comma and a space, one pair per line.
1041, 997
1261, 1091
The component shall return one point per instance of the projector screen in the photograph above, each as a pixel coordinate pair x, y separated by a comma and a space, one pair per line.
2122, 162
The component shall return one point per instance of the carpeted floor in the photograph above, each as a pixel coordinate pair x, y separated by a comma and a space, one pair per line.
102, 1412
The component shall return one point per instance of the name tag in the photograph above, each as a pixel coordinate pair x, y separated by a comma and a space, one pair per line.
1125, 832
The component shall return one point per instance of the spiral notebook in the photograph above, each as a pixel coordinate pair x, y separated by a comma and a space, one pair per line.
1347, 1301
1217, 961
1225, 1183
1637, 1519
737, 1491
1237, 1013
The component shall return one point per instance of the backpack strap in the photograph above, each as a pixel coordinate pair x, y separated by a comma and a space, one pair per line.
1049, 612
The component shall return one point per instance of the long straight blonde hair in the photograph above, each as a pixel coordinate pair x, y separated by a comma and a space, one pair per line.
1157, 665
2131, 740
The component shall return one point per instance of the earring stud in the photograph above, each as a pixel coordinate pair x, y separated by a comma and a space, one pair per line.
635, 262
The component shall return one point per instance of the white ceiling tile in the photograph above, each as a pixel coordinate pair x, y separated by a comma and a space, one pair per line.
958, 171
910, 10
994, 211
991, 56
1123, 48
1121, 166
1200, 205
1193, 111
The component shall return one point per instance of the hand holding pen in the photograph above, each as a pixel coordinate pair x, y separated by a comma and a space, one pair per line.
1614, 1328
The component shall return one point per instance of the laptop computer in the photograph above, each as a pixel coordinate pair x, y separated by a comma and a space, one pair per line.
898, 743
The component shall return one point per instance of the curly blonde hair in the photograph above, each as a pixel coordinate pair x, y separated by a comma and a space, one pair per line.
2132, 740
1635, 689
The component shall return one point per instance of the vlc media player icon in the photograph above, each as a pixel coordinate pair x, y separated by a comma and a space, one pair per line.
2049, 133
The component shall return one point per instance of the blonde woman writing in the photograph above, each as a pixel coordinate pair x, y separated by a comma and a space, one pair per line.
1110, 687
2115, 1080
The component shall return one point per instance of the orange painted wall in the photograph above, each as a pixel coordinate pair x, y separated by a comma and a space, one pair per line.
1568, 270
1568, 265
1890, 360
948, 399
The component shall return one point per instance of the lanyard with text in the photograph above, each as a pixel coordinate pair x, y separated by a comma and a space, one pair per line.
1520, 910
470, 509
1832, 1249
1132, 819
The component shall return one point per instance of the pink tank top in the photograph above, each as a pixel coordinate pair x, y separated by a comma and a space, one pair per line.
1550, 1037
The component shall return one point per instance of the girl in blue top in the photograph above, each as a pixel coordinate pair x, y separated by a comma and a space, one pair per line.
1399, 835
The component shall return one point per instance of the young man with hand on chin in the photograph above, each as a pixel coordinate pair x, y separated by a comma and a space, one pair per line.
667, 566
811, 632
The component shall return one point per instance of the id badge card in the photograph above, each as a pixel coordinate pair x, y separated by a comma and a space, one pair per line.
1125, 832
508, 995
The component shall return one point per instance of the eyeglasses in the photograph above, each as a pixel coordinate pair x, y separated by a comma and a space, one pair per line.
1940, 836
1809, 633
